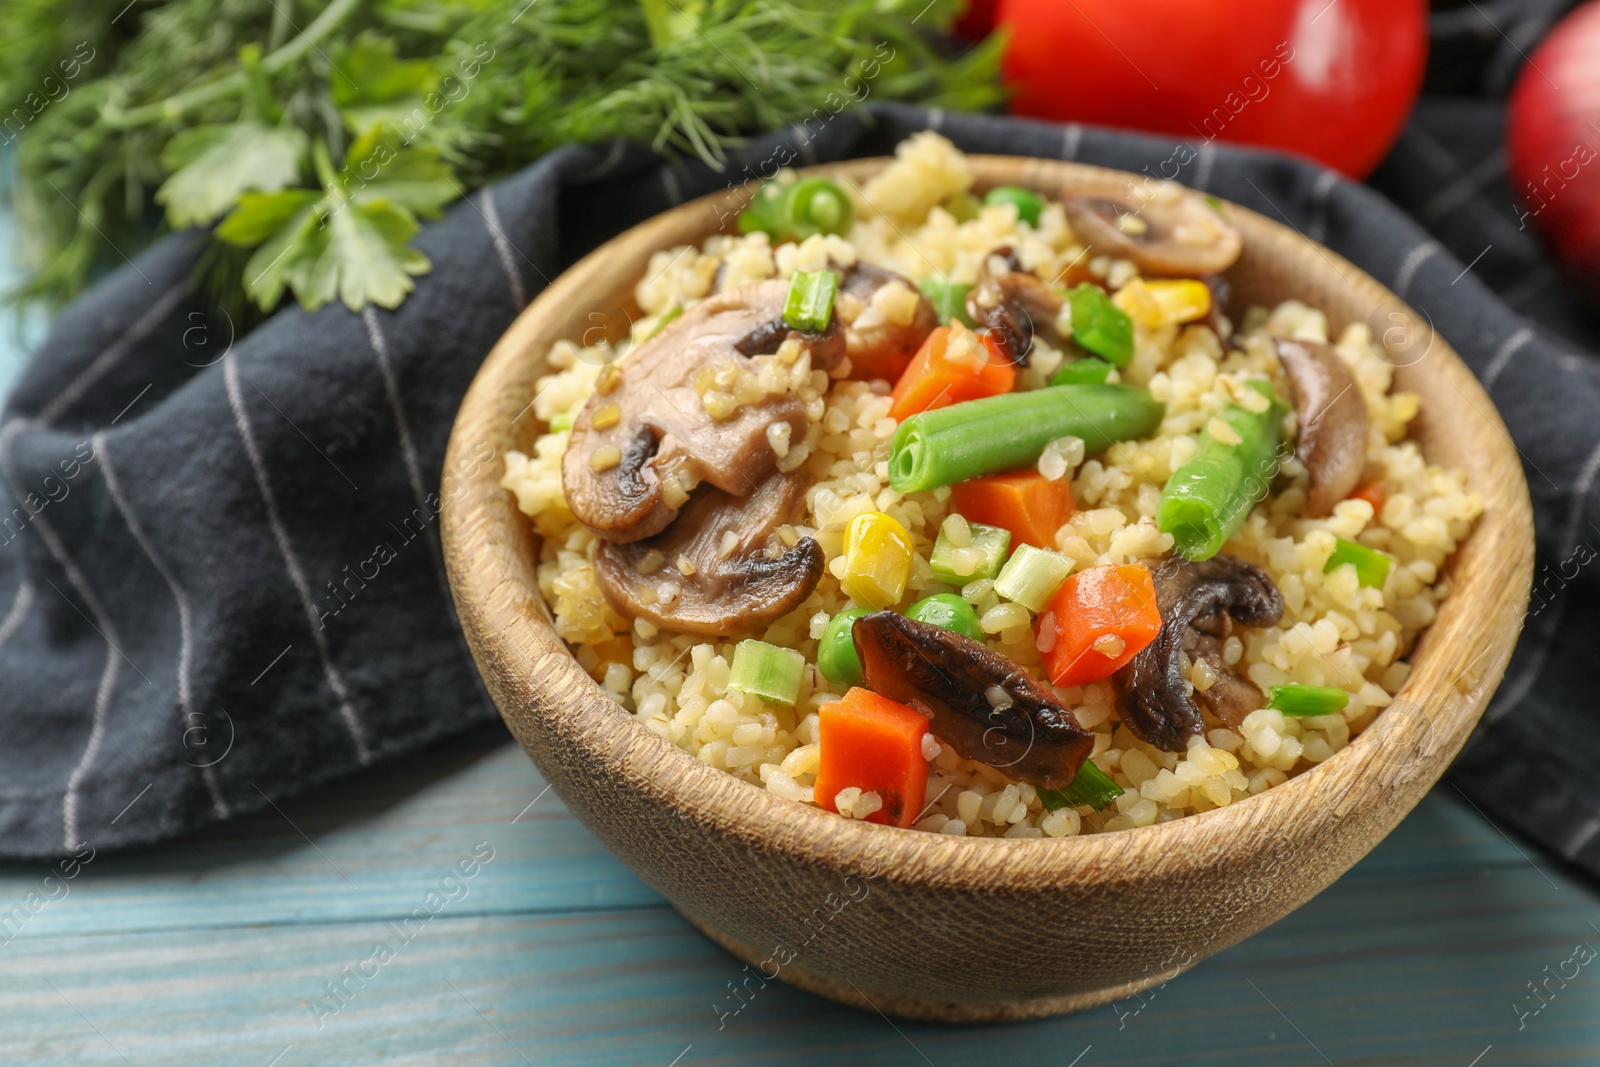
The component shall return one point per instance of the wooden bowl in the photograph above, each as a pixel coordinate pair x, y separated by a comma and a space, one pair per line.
955, 928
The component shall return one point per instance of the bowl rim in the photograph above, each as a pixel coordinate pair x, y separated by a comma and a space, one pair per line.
1392, 751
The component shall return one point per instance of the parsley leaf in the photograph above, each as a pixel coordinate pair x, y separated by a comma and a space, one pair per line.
212, 165
351, 242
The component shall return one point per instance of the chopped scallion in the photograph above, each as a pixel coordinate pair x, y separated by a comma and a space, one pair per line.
809, 304
949, 299
798, 210
1026, 200
1372, 566
1031, 576
1092, 786
990, 543
1304, 700
561, 420
1100, 326
767, 671
665, 320
1090, 371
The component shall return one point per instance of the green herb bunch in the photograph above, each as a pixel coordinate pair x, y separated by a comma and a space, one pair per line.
314, 137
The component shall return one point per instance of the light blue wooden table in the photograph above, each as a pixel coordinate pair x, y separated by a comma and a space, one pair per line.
257, 945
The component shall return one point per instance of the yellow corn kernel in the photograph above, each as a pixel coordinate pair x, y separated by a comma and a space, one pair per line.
877, 560
1164, 303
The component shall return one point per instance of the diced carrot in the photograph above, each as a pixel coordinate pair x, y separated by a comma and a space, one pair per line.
874, 744
1027, 503
1097, 621
1373, 493
953, 364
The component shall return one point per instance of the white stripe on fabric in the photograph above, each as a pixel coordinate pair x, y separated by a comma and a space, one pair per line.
935, 118
1464, 188
1581, 837
802, 140
181, 598
1512, 695
1411, 263
70, 839
1071, 138
607, 165
502, 248
112, 355
1206, 162
230, 375
670, 183
19, 611
1502, 356
391, 387
1321, 189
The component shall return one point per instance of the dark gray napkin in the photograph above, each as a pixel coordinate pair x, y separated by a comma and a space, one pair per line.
220, 579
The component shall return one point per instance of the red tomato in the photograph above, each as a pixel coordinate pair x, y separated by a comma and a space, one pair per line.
977, 20
1329, 79
1553, 141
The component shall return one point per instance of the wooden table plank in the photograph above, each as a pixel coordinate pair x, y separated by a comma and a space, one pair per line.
1372, 972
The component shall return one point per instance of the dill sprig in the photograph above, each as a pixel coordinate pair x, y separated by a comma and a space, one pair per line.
316, 136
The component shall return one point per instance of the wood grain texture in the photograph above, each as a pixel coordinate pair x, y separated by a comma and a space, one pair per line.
959, 928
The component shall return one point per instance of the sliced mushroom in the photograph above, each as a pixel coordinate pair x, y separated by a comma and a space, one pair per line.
695, 578
981, 703
1197, 600
1332, 417
1168, 230
1015, 305
645, 438
872, 340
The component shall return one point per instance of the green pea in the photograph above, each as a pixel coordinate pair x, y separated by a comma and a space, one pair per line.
950, 611
836, 652
1028, 203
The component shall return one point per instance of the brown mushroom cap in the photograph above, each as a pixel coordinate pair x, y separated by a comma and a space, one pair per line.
884, 343
1166, 230
1332, 417
1026, 733
1196, 598
648, 408
728, 590
1014, 305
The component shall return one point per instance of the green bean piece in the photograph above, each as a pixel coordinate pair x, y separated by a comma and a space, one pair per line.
1001, 433
949, 300
950, 611
1089, 371
1101, 326
836, 652
1027, 201
1207, 499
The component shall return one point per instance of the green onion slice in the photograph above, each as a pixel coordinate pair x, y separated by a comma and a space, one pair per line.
991, 541
1372, 566
767, 671
1092, 786
1027, 201
1100, 326
949, 299
666, 319
1031, 576
809, 304
1302, 700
